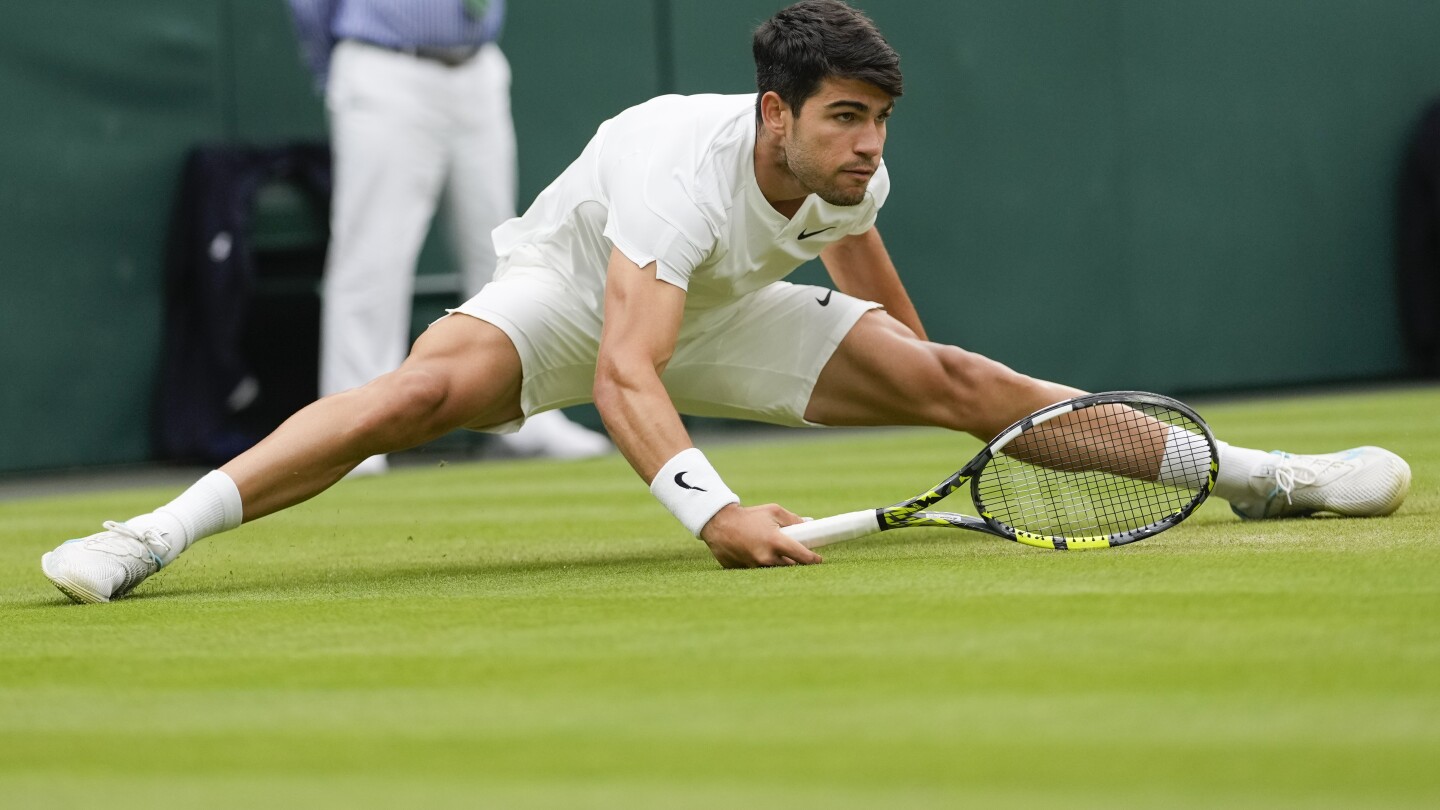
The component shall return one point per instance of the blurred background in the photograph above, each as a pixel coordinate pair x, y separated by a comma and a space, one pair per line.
1190, 197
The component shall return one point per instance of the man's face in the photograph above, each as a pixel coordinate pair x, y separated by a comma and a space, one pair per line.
833, 147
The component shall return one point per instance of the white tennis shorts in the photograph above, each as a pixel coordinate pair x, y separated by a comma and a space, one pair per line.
755, 358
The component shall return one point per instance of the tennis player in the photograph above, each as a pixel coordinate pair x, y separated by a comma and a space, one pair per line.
647, 278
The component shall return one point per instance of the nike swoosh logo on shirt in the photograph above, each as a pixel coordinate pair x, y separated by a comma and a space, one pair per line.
804, 235
825, 302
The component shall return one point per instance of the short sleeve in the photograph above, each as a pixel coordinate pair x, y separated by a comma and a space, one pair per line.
654, 216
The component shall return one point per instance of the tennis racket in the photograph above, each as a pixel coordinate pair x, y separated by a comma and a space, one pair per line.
1095, 471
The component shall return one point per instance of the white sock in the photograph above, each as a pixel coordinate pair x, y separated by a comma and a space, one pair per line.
211, 505
1187, 459
1237, 464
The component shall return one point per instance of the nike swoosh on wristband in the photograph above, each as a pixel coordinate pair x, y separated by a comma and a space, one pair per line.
680, 481
804, 235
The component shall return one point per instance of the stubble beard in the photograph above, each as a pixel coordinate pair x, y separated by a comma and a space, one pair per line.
802, 165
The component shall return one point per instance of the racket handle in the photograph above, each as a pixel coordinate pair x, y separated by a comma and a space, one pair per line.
822, 532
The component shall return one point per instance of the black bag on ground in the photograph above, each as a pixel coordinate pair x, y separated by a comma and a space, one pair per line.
241, 338
1417, 246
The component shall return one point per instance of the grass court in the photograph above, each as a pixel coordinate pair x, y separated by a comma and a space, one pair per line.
543, 634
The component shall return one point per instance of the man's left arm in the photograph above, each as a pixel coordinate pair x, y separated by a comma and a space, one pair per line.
860, 266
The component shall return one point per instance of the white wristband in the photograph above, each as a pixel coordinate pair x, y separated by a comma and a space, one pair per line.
691, 489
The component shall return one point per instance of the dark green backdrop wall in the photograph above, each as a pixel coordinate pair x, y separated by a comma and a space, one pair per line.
1182, 196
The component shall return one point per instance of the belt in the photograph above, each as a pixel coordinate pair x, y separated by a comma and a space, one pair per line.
447, 55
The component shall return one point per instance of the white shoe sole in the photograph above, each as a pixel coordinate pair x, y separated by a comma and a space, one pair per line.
77, 592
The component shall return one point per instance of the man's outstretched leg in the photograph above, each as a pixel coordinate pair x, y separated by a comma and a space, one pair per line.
462, 372
882, 375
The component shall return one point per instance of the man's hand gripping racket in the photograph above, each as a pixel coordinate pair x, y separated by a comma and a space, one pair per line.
1095, 471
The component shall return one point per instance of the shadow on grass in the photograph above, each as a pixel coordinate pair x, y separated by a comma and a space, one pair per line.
447, 576
462, 576
469, 576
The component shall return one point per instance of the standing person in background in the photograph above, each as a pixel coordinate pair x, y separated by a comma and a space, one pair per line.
418, 99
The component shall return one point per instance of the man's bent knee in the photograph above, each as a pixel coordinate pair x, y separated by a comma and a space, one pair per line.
984, 396
883, 374
404, 408
966, 389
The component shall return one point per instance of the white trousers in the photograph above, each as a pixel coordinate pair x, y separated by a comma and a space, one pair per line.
406, 133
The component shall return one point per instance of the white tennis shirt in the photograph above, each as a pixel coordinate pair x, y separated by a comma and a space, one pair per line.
672, 181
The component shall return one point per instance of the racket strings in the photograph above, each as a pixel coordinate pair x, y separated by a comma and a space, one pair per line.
1098, 471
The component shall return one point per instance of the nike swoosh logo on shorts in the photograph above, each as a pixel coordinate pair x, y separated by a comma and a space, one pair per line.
804, 235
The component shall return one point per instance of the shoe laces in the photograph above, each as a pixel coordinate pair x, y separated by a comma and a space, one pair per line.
1289, 475
118, 539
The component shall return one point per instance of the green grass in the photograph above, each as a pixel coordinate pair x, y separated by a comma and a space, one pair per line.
543, 635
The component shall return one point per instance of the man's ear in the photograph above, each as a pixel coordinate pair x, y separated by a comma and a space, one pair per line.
774, 113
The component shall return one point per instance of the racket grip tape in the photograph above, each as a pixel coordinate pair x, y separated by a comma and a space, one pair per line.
822, 532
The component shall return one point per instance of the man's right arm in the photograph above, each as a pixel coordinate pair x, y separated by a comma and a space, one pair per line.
641, 325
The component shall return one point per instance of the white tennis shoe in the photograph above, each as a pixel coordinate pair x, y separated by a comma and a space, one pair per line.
107, 565
552, 435
1362, 482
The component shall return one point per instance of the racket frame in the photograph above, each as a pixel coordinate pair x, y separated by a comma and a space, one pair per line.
913, 512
